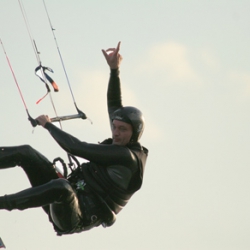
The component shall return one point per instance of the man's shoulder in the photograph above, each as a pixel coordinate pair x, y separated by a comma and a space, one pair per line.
107, 141
137, 147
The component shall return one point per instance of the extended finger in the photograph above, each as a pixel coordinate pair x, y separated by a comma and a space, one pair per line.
117, 48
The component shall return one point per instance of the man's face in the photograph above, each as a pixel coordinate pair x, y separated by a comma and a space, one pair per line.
121, 132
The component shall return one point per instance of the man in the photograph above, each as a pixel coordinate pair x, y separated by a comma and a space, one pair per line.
97, 190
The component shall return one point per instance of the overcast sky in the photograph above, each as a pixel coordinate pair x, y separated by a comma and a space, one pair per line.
186, 66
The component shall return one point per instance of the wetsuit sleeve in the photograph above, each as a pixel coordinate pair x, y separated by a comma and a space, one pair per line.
104, 155
114, 98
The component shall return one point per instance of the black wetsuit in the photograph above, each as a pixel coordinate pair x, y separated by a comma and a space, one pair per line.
94, 192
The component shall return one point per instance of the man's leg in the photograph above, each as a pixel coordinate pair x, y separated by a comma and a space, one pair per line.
36, 166
58, 194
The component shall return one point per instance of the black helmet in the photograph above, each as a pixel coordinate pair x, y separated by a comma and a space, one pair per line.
134, 117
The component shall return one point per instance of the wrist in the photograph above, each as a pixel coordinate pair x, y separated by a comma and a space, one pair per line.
114, 71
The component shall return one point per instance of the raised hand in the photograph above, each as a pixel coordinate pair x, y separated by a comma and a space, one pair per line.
113, 57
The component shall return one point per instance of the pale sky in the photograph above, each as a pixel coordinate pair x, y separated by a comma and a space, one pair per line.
186, 66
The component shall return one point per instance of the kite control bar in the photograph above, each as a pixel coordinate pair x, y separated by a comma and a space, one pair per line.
80, 114
68, 117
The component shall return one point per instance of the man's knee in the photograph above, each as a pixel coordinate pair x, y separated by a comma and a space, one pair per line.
26, 147
21, 152
27, 150
30, 156
63, 186
13, 156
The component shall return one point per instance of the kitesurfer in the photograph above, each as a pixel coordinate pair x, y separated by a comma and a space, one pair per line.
96, 191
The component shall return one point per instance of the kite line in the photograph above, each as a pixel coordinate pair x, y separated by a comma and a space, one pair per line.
80, 113
33, 122
40, 71
45, 78
60, 55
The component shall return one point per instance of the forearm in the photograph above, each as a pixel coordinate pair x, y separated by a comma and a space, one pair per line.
114, 98
68, 142
98, 153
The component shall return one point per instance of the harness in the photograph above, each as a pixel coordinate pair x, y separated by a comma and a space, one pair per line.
94, 206
95, 211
